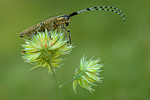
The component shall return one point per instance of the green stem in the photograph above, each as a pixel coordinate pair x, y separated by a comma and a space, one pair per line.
54, 75
60, 86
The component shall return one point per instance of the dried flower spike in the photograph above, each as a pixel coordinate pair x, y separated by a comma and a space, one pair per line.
87, 74
41, 46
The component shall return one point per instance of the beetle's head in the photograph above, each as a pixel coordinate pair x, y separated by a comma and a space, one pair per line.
63, 19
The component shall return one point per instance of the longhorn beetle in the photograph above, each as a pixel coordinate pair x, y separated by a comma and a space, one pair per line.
55, 23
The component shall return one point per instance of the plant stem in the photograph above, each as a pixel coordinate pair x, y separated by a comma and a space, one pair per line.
60, 86
54, 75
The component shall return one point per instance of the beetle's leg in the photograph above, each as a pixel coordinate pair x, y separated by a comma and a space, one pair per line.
69, 33
49, 35
52, 25
36, 30
62, 26
57, 28
51, 29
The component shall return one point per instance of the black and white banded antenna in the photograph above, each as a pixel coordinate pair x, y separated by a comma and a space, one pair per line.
107, 8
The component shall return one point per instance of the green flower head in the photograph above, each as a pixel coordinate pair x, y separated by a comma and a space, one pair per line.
41, 46
87, 74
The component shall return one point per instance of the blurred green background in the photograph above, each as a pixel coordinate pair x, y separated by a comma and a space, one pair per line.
124, 48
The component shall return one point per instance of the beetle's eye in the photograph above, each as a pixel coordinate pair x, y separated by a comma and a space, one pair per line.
67, 17
67, 23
